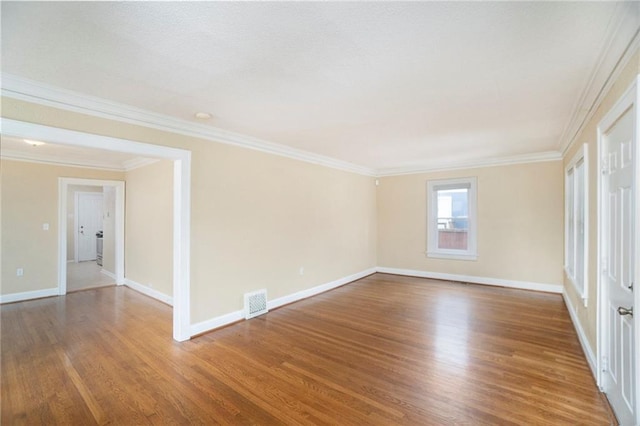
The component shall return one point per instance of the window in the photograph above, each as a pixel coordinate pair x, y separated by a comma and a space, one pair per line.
576, 217
451, 219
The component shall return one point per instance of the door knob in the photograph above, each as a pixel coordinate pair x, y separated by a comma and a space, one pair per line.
625, 311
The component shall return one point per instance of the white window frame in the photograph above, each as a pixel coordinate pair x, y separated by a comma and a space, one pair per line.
572, 214
433, 186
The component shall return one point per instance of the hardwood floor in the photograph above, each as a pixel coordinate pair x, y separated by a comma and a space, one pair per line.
84, 275
383, 350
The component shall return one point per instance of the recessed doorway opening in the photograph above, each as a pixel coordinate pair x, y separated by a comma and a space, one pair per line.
181, 202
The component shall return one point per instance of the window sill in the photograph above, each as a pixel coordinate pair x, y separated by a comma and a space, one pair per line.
452, 256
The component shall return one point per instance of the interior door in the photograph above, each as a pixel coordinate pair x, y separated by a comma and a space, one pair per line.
89, 222
618, 271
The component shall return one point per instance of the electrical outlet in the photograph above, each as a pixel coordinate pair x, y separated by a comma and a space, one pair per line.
19, 272
301, 270
45, 226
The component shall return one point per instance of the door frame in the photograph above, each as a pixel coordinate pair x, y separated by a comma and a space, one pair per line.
181, 201
63, 189
76, 210
630, 99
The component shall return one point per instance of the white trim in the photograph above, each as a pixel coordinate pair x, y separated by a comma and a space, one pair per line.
523, 285
164, 298
636, 300
452, 256
433, 186
303, 294
31, 91
629, 99
581, 155
28, 295
63, 190
217, 322
110, 274
93, 163
235, 316
181, 204
616, 53
23, 129
473, 164
136, 163
8, 154
582, 337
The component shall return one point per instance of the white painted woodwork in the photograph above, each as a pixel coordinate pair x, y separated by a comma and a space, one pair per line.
391, 86
181, 207
68, 155
619, 187
576, 222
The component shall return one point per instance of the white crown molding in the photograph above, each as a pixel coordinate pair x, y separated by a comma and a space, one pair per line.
30, 157
136, 163
31, 91
7, 154
34, 92
619, 47
490, 162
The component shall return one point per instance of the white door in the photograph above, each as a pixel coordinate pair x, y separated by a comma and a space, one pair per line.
618, 271
89, 222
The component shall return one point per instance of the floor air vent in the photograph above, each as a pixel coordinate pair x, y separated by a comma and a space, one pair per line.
255, 303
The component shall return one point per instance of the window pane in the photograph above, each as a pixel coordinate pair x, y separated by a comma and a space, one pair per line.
453, 218
570, 224
578, 225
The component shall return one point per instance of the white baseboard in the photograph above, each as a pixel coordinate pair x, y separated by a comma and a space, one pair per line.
217, 322
109, 274
303, 294
148, 291
28, 295
582, 337
235, 316
524, 285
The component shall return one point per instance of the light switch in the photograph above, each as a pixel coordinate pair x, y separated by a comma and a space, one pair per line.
45, 226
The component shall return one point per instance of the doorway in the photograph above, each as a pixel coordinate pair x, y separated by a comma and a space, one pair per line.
181, 203
618, 237
88, 224
91, 239
82, 236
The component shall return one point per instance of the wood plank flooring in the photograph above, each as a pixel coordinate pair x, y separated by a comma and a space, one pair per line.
383, 350
86, 274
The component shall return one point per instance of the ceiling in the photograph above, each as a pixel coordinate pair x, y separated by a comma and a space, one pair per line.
384, 85
17, 149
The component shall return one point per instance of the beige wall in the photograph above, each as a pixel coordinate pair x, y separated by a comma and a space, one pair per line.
149, 226
256, 218
520, 210
30, 199
260, 218
588, 316
71, 204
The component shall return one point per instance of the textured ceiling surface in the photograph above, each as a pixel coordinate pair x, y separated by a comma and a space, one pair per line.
377, 84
